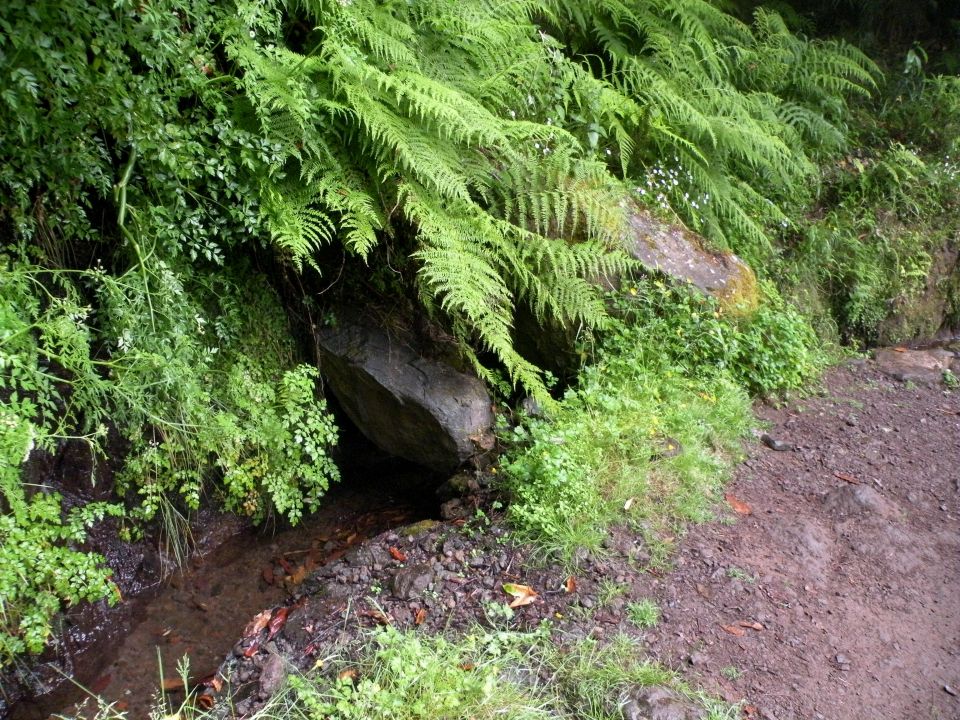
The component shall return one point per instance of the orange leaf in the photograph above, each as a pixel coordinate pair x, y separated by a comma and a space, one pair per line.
899, 349
570, 585
750, 625
397, 554
258, 623
734, 630
377, 615
846, 478
205, 702
252, 650
522, 594
349, 674
420, 616
172, 684
467, 666
739, 506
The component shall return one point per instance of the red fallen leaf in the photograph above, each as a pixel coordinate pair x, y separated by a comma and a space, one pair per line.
169, 684
734, 630
750, 625
420, 616
522, 594
267, 575
739, 506
571, 584
846, 478
121, 705
349, 674
277, 622
205, 702
377, 615
287, 567
899, 349
397, 554
467, 666
252, 650
100, 684
259, 622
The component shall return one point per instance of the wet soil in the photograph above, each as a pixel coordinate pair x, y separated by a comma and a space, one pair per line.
198, 611
828, 587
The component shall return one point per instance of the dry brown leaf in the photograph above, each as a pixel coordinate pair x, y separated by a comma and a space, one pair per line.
205, 702
467, 666
252, 650
349, 674
216, 683
750, 625
522, 594
169, 684
846, 478
571, 584
739, 506
397, 554
420, 616
734, 630
900, 349
377, 615
267, 575
259, 622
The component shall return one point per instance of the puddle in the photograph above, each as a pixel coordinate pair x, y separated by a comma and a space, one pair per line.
200, 613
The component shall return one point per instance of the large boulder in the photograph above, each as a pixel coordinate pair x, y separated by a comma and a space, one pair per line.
410, 405
682, 256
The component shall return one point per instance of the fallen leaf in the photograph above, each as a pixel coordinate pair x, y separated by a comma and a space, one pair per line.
900, 349
628, 504
750, 625
397, 554
420, 616
121, 705
169, 684
571, 584
349, 674
522, 594
703, 591
846, 478
205, 702
267, 575
749, 710
252, 650
467, 666
734, 630
739, 506
259, 622
277, 622
377, 615
349, 540
216, 683
287, 567
300, 574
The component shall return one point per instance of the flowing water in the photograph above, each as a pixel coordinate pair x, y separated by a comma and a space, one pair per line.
199, 613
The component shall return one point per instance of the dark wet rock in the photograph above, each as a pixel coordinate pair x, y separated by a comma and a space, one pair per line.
272, 675
457, 486
410, 405
658, 703
774, 444
411, 582
367, 555
453, 510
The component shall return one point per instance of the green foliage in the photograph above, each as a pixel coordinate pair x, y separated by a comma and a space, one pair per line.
39, 574
567, 486
885, 213
403, 676
644, 613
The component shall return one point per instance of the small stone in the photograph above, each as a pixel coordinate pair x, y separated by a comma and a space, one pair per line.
842, 659
949, 690
411, 582
698, 659
773, 444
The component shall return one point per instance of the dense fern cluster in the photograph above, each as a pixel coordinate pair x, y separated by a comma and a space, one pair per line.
501, 131
154, 153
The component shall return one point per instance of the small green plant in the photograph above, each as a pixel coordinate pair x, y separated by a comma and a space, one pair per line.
951, 380
609, 590
644, 613
735, 573
731, 672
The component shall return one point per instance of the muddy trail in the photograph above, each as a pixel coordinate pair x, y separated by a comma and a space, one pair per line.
828, 588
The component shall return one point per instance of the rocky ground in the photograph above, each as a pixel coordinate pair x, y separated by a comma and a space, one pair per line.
829, 586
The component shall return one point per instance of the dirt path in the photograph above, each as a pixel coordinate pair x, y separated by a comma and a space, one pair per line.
850, 561
837, 597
